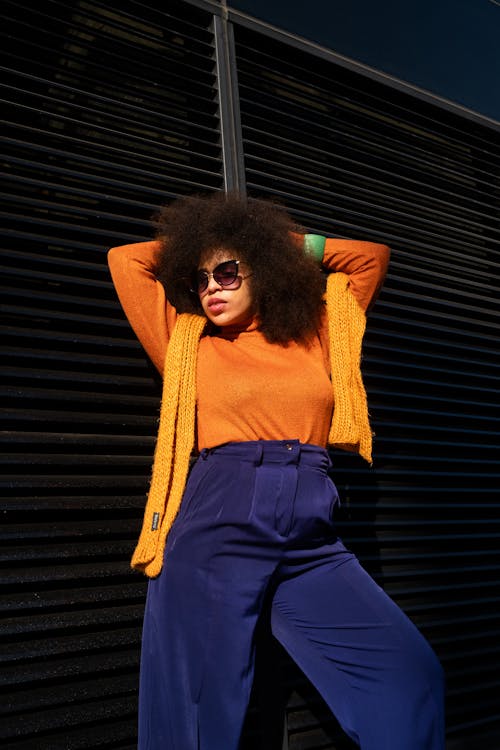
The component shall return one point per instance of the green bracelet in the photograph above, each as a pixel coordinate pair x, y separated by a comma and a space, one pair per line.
314, 246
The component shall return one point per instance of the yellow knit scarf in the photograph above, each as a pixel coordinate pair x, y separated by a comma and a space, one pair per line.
350, 429
174, 444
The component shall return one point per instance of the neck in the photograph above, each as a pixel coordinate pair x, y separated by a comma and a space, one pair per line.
232, 331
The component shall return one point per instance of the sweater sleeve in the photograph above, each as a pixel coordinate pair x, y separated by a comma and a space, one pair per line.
364, 262
143, 297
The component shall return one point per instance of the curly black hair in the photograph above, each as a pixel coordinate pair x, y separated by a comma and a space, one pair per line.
287, 285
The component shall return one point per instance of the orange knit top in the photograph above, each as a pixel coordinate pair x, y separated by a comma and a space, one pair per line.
247, 388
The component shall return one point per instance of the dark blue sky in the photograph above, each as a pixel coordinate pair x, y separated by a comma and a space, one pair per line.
448, 47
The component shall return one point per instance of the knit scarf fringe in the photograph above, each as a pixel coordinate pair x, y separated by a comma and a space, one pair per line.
350, 429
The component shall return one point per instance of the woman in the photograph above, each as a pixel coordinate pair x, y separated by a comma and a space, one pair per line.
261, 375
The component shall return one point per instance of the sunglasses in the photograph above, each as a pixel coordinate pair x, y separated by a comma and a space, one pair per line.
225, 274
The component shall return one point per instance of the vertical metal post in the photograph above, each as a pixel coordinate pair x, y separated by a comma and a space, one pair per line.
229, 104
230, 125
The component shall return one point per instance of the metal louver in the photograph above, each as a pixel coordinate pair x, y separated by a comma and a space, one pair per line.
352, 157
108, 110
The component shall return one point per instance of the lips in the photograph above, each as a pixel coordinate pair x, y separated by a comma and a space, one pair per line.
216, 305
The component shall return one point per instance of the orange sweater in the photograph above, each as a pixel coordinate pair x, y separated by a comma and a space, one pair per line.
247, 388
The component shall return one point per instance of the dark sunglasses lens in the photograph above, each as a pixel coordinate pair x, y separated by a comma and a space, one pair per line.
226, 273
201, 281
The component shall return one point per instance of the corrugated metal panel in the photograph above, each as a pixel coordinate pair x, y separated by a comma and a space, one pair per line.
352, 157
108, 109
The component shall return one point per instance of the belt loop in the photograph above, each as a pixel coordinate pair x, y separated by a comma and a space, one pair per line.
258, 454
299, 453
204, 453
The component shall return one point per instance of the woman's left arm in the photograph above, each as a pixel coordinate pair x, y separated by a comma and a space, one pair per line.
364, 262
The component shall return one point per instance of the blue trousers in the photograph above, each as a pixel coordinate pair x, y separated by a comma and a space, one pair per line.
256, 523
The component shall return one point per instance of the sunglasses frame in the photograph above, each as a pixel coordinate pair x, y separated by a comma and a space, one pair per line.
197, 287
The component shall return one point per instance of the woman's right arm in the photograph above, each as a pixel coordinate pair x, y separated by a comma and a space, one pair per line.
143, 297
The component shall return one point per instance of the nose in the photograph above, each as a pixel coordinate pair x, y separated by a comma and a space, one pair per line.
213, 285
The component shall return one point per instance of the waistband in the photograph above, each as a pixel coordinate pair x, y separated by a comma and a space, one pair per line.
272, 451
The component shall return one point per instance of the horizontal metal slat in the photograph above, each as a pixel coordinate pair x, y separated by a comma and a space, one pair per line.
129, 177
34, 649
423, 344
126, 500
350, 88
448, 217
67, 525
97, 273
386, 110
377, 168
111, 550
82, 121
50, 314
135, 402
414, 322
354, 209
120, 593
74, 417
393, 150
49, 719
29, 700
73, 440
310, 155
71, 482
81, 573
77, 621
66, 376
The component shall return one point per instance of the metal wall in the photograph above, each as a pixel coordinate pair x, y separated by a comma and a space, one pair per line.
354, 158
109, 110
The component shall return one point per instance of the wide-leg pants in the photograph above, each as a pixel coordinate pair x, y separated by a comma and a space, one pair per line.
256, 523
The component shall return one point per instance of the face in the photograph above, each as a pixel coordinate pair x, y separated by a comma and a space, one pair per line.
226, 305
